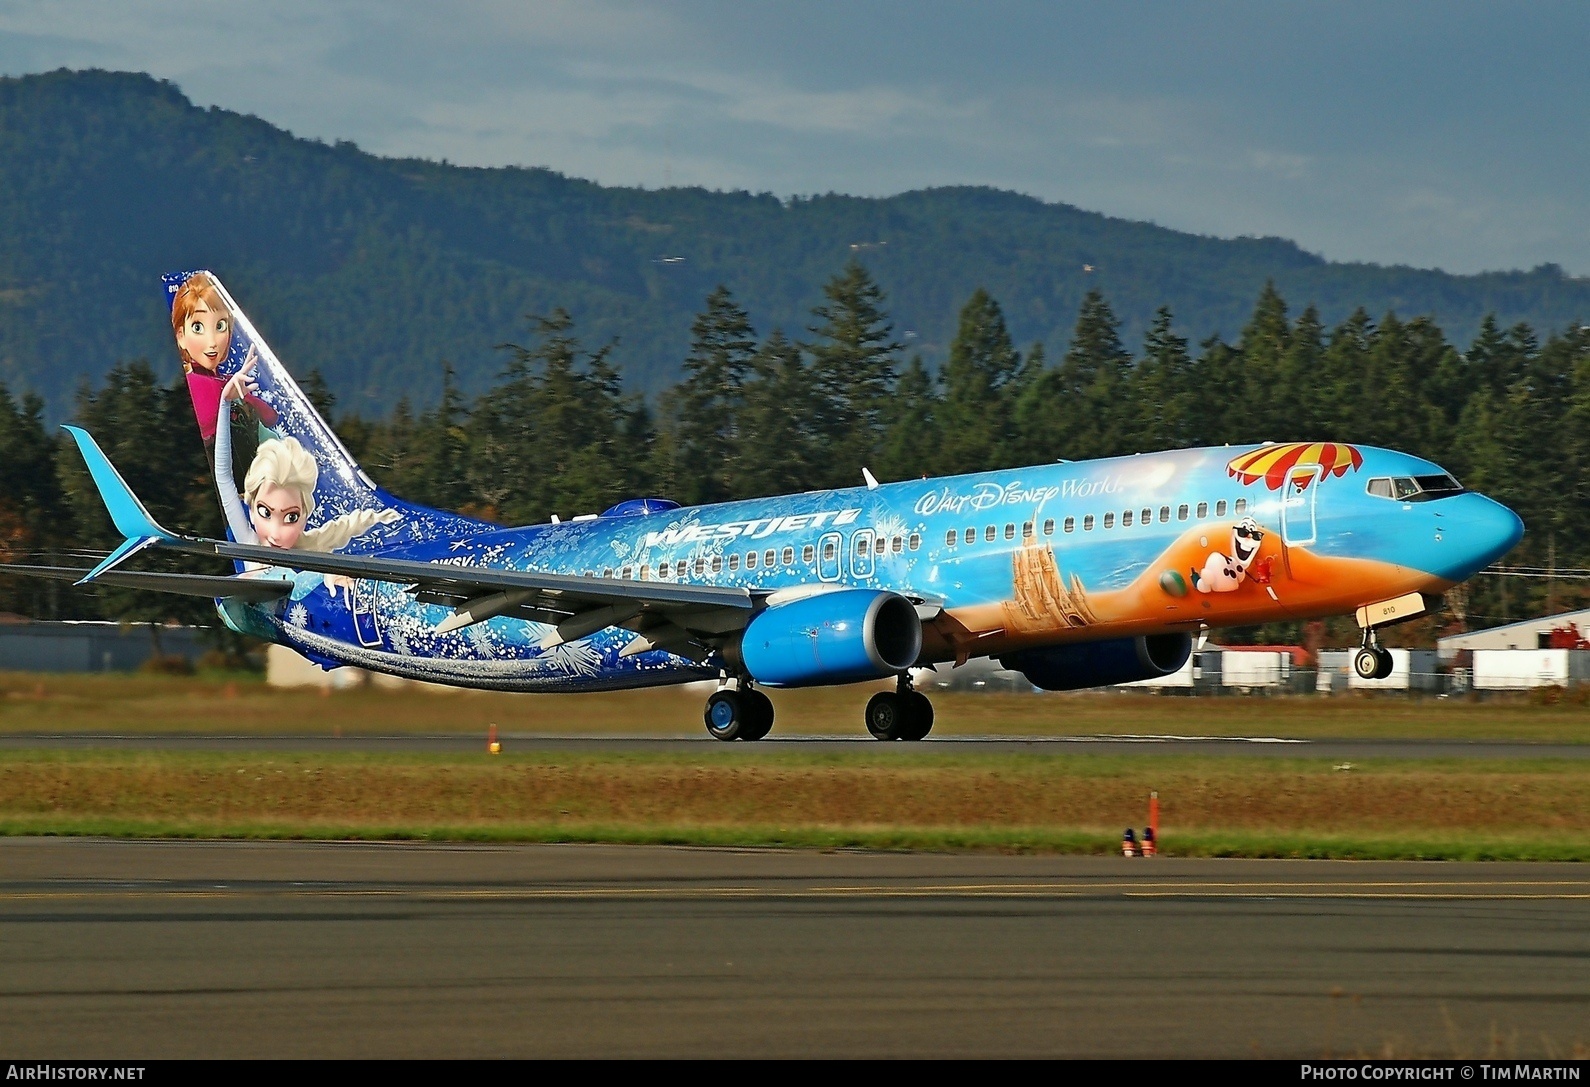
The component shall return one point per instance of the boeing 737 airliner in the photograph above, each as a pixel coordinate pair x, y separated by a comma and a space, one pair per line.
1076, 574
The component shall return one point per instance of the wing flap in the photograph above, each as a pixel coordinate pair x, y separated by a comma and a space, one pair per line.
231, 586
534, 593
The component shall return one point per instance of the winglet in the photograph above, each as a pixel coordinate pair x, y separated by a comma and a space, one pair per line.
128, 514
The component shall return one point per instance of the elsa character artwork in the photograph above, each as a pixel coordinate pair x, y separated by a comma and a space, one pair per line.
279, 490
202, 324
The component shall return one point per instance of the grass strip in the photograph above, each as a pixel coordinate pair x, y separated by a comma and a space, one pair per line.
874, 798
246, 705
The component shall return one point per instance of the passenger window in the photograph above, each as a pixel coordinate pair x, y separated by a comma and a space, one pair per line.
624, 573
808, 553
1010, 531
1181, 513
645, 572
1048, 527
915, 542
971, 535
829, 551
1148, 517
734, 563
950, 538
1071, 524
662, 570
1164, 515
1109, 520
750, 560
769, 557
1380, 488
1026, 530
897, 545
789, 556
1242, 505
1220, 508
1087, 523
608, 572
989, 533
881, 546
1203, 510
717, 564
1126, 519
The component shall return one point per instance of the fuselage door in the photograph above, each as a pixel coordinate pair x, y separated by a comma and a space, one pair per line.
861, 553
1297, 505
364, 601
830, 556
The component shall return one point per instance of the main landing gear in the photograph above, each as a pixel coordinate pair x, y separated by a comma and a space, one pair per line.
1372, 661
901, 714
739, 713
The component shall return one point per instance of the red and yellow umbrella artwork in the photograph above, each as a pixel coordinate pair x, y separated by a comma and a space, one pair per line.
1272, 463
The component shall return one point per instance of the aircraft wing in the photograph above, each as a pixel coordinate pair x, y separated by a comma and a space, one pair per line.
244, 588
665, 614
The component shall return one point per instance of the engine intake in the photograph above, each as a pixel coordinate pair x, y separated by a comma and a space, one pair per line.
838, 637
1099, 664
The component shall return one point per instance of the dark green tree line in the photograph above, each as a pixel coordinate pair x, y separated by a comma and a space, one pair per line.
757, 414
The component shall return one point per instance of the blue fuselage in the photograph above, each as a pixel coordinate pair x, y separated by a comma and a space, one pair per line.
1022, 557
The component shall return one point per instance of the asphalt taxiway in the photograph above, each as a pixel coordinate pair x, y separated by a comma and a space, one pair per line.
156, 949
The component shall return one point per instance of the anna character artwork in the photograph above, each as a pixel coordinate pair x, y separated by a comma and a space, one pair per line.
202, 325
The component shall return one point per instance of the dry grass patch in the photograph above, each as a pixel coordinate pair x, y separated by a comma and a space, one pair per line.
1065, 795
244, 704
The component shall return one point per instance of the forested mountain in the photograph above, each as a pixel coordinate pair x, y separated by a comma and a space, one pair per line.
374, 271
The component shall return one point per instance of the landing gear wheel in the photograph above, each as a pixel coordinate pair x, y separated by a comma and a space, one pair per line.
887, 716
1383, 663
726, 716
1366, 663
919, 716
759, 715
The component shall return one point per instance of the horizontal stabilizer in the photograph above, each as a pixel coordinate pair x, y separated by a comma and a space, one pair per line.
237, 588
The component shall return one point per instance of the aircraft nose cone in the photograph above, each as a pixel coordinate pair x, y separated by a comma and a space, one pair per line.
1484, 531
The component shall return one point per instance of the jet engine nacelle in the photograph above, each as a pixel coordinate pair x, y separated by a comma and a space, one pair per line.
1099, 664
837, 637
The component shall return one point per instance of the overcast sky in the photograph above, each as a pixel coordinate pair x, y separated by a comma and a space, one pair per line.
1436, 134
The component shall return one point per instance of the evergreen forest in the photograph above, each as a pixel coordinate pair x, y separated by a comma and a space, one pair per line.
761, 411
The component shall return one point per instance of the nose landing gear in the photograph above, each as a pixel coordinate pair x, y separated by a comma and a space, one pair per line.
739, 713
901, 714
1372, 661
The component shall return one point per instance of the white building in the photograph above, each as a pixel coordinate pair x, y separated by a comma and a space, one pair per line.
1526, 634
1519, 669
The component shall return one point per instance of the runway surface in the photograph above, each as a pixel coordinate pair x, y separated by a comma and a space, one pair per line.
153, 949
1249, 746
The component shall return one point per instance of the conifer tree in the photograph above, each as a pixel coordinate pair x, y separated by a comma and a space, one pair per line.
707, 405
1161, 388
778, 454
974, 418
913, 438
852, 372
1077, 410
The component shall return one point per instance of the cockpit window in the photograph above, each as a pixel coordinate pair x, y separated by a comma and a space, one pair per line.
1415, 488
1438, 486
